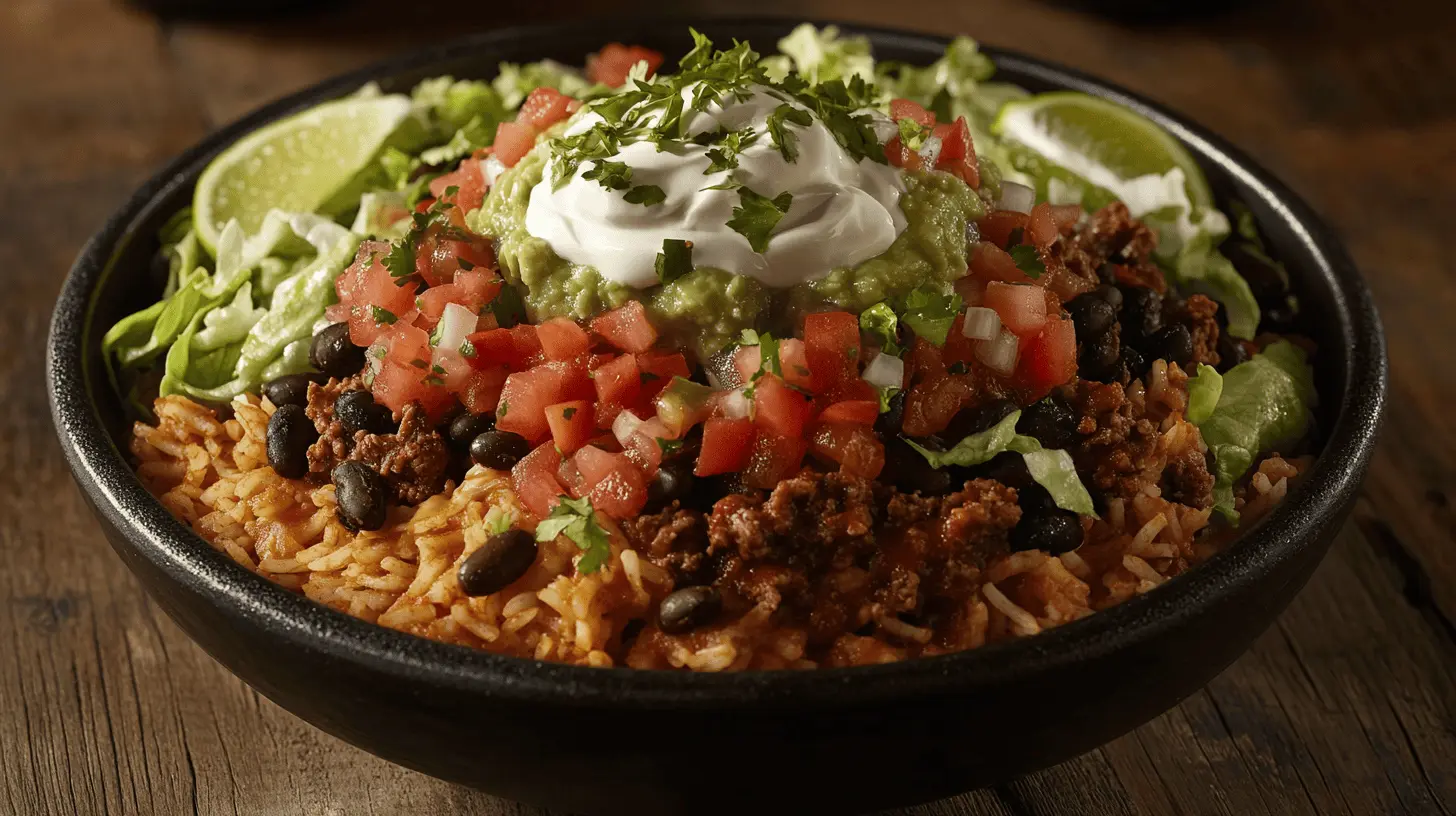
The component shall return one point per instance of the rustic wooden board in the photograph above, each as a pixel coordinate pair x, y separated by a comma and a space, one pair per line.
1346, 706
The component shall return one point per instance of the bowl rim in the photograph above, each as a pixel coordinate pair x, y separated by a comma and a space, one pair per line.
116, 494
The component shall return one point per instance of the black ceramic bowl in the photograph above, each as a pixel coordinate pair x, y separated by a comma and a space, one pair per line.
617, 740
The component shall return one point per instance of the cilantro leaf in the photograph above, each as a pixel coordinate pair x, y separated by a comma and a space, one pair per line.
675, 259
508, 308
612, 175
646, 195
880, 321
913, 134
783, 139
669, 446
467, 349
768, 350
756, 216
401, 260
748, 337
383, 317
886, 394
929, 312
576, 519
1028, 261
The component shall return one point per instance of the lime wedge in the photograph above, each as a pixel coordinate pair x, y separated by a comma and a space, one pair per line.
1099, 142
297, 164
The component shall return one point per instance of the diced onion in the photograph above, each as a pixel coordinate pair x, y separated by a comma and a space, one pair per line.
981, 323
734, 405
491, 169
1016, 197
455, 324
624, 426
999, 353
885, 371
930, 151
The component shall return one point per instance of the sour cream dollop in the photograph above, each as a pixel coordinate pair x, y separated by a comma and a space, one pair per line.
844, 211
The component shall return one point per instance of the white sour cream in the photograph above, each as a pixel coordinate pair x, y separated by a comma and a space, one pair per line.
843, 211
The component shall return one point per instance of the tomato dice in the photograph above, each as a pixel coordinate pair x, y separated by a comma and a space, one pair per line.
626, 327
613, 483
999, 226
899, 154
1022, 308
375, 301
831, 344
543, 108
1041, 226
618, 385
657, 368
794, 362
440, 260
517, 348
726, 446
572, 424
853, 447
852, 412
480, 393
513, 140
773, 459
992, 263
535, 480
611, 65
912, 110
1048, 359
644, 447
469, 184
779, 408
562, 339
957, 152
527, 394
396, 386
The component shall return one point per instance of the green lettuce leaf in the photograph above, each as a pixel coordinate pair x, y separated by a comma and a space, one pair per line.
515, 81
1052, 469
1200, 267
1266, 404
1204, 389
822, 55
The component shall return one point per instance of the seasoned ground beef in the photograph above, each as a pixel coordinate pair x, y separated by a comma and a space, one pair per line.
414, 460
1113, 247
1199, 314
843, 559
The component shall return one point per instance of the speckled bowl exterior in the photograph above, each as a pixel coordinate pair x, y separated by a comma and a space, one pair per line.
621, 741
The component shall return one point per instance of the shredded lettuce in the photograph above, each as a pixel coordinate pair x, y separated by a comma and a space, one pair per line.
516, 81
821, 55
1052, 469
930, 311
1204, 389
1265, 405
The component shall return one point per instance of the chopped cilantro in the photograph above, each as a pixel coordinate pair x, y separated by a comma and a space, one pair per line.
568, 413
508, 307
886, 394
768, 350
645, 194
913, 134
383, 317
783, 139
929, 312
675, 259
464, 264
500, 411
576, 519
1028, 260
881, 323
756, 216
647, 377
467, 349
669, 446
612, 175
401, 260
749, 337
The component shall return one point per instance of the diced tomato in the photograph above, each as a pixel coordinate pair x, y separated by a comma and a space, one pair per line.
562, 339
432, 301
747, 360
912, 110
440, 260
855, 390
794, 362
626, 327
657, 368
543, 108
407, 345
512, 141
526, 395
450, 369
853, 447
998, 226
1066, 215
899, 154
572, 424
375, 301
1048, 359
774, 458
644, 447
831, 343
992, 263
779, 408
1041, 227
957, 152
477, 287
480, 393
613, 483
1022, 308
517, 348
726, 446
852, 412
611, 65
618, 385
535, 480
396, 386
469, 184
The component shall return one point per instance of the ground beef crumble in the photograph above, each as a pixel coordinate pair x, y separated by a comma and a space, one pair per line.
414, 460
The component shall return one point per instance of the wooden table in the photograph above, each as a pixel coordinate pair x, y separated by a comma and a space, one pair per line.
1346, 706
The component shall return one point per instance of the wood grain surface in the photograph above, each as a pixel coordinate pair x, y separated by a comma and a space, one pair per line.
1346, 706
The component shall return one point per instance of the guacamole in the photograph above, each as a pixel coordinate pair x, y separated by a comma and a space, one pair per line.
707, 308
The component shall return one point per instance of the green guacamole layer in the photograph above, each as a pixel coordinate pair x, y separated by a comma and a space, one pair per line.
707, 308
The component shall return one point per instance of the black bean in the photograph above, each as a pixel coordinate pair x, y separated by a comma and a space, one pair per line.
689, 608
290, 433
1266, 280
333, 353
673, 482
361, 494
465, 428
1171, 343
907, 469
1034, 498
1050, 421
290, 389
1133, 362
974, 420
1006, 467
1055, 531
1111, 294
358, 411
888, 423
1099, 358
1231, 352
707, 490
499, 562
1091, 314
1142, 313
500, 450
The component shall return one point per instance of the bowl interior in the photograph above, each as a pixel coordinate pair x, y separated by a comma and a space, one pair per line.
116, 275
